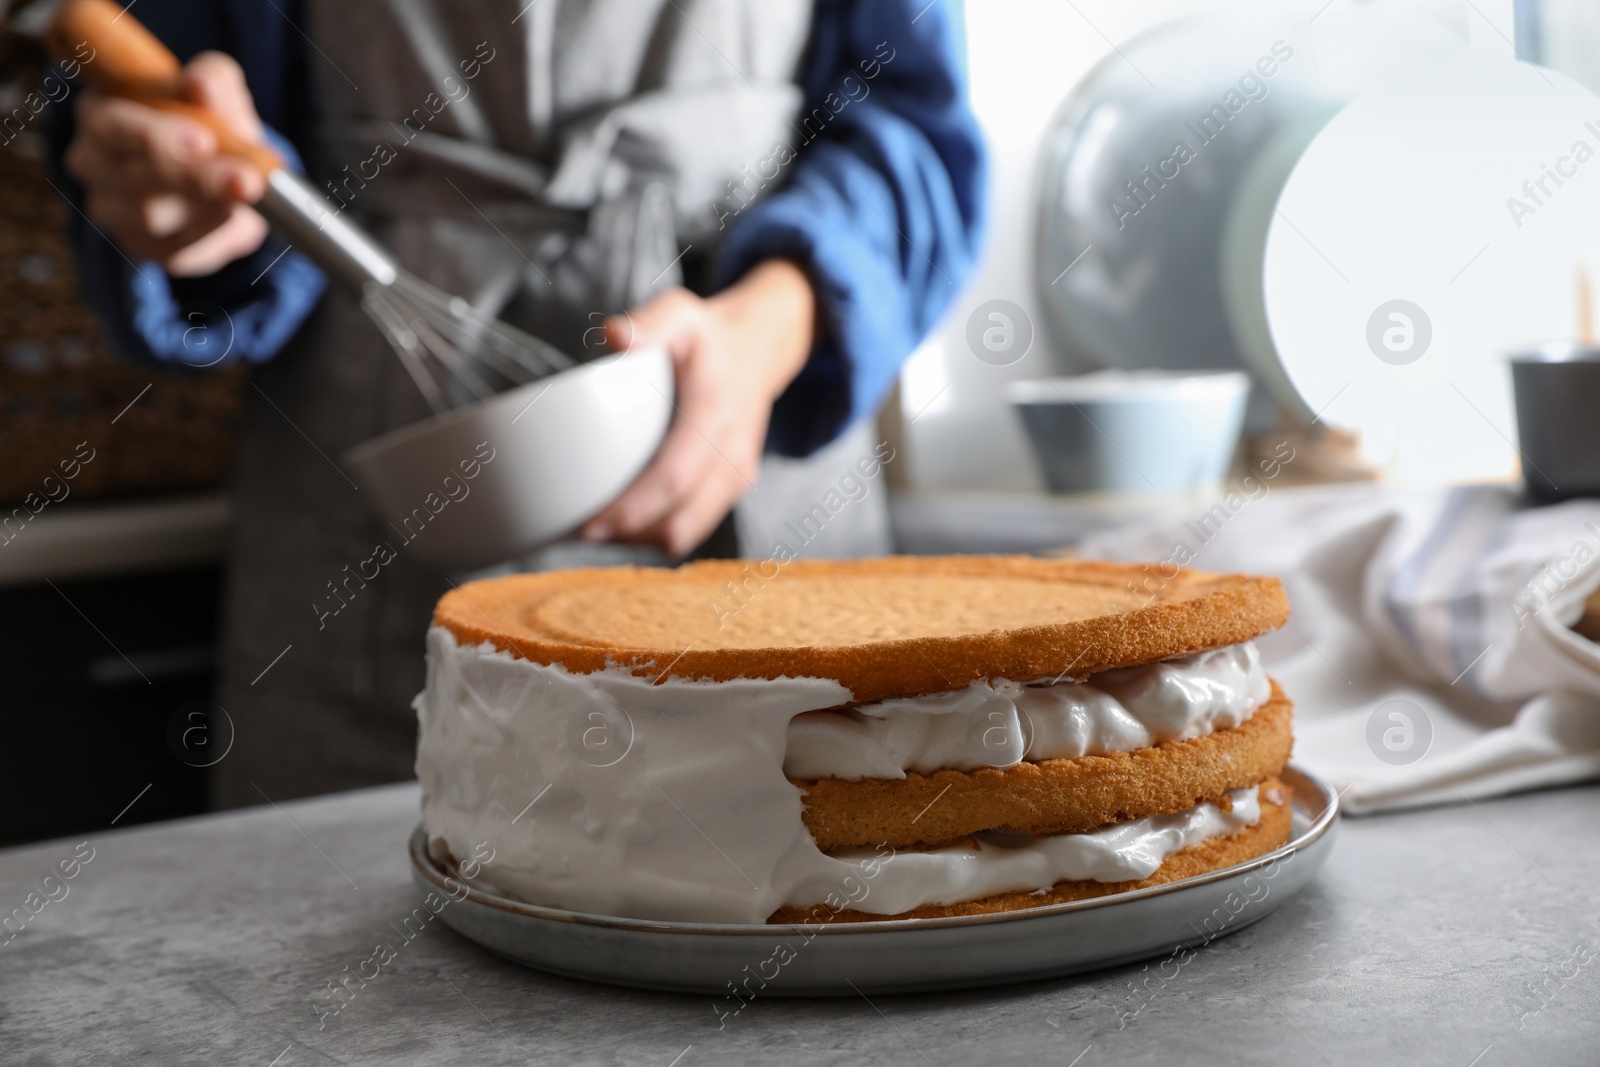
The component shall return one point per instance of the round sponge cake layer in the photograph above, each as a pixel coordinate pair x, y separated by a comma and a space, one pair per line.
1060, 796
899, 626
1271, 832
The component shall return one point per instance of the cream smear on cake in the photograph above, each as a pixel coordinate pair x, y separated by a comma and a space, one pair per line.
608, 794
999, 723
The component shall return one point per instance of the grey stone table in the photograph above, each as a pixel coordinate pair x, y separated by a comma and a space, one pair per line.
1458, 936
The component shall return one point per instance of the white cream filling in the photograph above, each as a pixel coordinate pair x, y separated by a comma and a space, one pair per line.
999, 723
889, 884
605, 793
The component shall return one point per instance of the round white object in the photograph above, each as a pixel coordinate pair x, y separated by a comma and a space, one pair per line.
1432, 227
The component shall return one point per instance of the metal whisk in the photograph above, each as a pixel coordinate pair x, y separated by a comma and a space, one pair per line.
478, 356
456, 354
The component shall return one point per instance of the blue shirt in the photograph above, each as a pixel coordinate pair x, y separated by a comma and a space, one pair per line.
884, 206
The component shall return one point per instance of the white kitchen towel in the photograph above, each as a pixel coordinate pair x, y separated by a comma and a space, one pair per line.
1429, 652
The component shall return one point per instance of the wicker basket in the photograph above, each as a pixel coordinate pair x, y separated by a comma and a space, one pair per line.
59, 382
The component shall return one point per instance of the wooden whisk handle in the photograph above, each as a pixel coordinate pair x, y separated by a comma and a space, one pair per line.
127, 60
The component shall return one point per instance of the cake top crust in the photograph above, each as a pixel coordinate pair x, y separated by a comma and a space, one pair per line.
897, 626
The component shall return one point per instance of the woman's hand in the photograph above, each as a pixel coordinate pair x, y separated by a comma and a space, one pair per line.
154, 181
733, 354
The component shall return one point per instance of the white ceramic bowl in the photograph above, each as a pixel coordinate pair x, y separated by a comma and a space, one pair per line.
524, 468
1138, 431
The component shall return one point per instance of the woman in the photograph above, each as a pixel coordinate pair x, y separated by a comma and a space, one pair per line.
784, 193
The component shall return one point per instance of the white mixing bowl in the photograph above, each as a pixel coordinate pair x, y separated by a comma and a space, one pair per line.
524, 468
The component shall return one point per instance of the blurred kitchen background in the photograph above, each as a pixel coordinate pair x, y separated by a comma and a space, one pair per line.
109, 602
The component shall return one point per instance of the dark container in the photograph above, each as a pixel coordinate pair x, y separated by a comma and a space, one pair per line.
1557, 392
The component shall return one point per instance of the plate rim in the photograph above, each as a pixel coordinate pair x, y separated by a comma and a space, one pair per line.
1292, 775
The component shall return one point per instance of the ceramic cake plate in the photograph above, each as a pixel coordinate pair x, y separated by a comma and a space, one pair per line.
896, 956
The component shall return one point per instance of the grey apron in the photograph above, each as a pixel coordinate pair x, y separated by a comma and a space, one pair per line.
553, 162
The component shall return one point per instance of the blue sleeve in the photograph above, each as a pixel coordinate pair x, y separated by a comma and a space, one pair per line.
250, 308
883, 209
